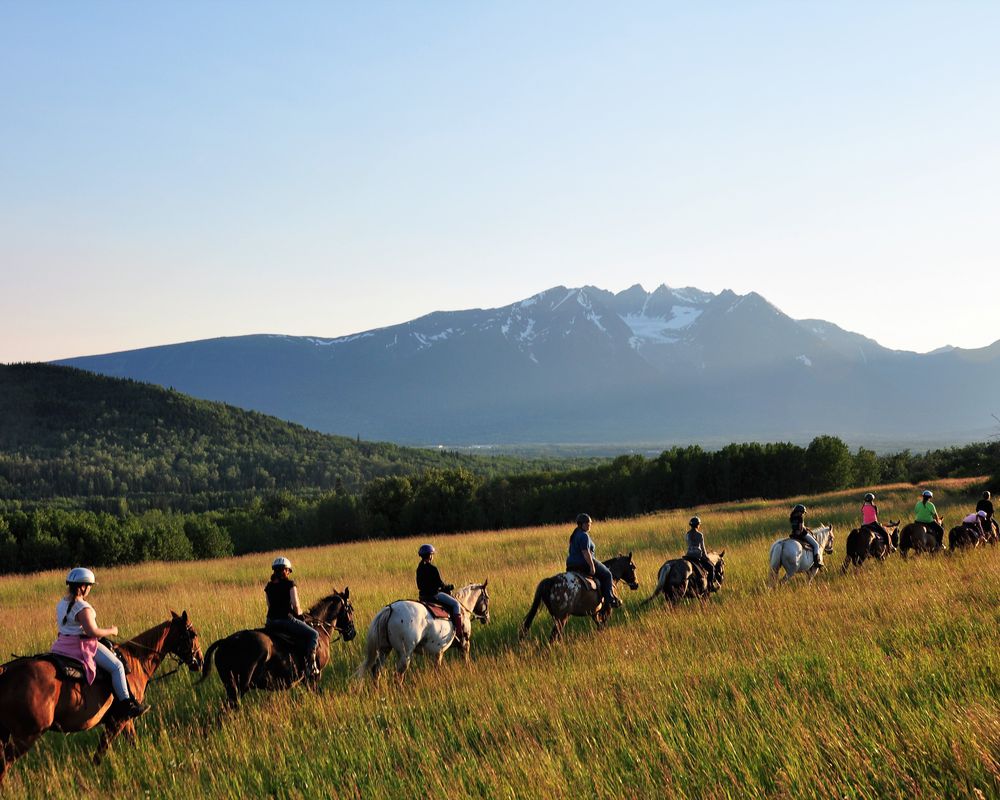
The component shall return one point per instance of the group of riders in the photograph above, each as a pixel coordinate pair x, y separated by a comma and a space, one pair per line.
80, 637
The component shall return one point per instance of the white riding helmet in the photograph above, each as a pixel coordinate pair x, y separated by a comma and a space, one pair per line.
81, 575
927, 493
981, 514
281, 561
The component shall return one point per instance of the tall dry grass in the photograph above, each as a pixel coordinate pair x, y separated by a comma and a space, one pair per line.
878, 684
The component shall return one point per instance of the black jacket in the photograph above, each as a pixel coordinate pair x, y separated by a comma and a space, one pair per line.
429, 581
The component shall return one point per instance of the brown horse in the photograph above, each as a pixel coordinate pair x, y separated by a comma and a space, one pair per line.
570, 594
35, 699
679, 578
255, 659
919, 538
961, 537
863, 543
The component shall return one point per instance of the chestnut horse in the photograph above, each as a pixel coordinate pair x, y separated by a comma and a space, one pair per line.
254, 659
35, 699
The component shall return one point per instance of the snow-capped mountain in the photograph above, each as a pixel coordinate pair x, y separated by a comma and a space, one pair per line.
587, 365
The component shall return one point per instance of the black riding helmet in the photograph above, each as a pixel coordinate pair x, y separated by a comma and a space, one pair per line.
799, 509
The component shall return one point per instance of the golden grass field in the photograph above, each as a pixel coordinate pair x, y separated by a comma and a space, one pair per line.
879, 684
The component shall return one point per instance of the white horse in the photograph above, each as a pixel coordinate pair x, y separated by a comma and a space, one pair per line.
790, 554
407, 626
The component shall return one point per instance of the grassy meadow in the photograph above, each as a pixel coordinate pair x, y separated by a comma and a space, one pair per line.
882, 683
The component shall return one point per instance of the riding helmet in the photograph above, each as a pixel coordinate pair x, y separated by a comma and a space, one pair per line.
426, 550
582, 519
81, 575
281, 561
981, 514
869, 498
799, 509
986, 495
927, 493
694, 522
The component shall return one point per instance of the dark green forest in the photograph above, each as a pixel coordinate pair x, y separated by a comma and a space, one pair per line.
99, 471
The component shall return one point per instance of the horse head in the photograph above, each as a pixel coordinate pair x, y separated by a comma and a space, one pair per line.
482, 607
335, 610
182, 641
720, 566
828, 547
623, 569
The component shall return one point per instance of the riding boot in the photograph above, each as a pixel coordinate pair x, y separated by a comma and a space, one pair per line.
130, 708
456, 620
312, 666
612, 601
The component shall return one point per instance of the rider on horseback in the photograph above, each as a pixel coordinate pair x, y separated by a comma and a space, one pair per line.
926, 514
581, 559
433, 590
285, 616
985, 504
974, 524
869, 519
803, 535
697, 554
80, 639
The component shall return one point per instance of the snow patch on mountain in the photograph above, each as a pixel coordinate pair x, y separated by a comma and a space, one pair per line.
654, 329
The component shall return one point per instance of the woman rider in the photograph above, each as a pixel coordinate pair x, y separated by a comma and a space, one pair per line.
697, 554
802, 534
926, 514
985, 504
79, 638
581, 559
869, 519
285, 616
974, 524
432, 589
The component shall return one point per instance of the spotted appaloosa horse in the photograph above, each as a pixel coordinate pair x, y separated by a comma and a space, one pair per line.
571, 594
793, 556
408, 626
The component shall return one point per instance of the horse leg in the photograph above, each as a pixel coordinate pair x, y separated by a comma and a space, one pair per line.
14, 749
111, 730
557, 629
402, 664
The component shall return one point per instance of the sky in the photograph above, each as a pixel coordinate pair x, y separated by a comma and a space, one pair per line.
180, 171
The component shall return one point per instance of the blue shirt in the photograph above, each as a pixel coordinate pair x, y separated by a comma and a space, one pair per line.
578, 543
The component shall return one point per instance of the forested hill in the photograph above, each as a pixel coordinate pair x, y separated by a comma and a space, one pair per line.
67, 433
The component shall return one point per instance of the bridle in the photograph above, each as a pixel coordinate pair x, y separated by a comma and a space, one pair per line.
484, 598
329, 627
189, 661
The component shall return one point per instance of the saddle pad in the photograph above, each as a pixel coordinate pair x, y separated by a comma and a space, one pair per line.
66, 667
587, 579
438, 612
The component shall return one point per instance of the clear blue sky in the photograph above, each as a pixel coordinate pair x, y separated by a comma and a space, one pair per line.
183, 170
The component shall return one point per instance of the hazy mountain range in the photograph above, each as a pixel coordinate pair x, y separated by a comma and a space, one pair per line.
586, 365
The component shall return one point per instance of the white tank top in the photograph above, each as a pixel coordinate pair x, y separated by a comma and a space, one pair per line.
70, 626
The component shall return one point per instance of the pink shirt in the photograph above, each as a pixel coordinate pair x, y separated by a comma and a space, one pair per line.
72, 642
869, 514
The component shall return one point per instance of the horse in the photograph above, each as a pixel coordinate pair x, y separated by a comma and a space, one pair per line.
35, 698
571, 594
256, 659
790, 554
409, 626
863, 543
679, 578
961, 537
919, 538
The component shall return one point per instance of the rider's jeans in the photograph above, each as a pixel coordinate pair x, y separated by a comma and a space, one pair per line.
307, 635
449, 602
817, 555
106, 660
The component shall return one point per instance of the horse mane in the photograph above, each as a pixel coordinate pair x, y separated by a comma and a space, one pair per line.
321, 606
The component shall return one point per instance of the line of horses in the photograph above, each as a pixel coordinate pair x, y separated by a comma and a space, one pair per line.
38, 695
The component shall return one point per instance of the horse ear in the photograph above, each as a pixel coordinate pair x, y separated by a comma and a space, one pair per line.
629, 555
347, 592
184, 615
485, 582
173, 614
722, 554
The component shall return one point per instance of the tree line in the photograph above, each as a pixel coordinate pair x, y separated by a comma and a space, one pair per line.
446, 500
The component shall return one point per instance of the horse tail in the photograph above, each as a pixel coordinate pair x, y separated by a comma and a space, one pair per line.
378, 639
775, 557
206, 668
541, 593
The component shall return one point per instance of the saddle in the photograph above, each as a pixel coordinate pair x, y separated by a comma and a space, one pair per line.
437, 611
589, 580
69, 669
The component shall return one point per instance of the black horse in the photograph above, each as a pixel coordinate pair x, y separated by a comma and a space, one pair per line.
680, 578
864, 543
256, 659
